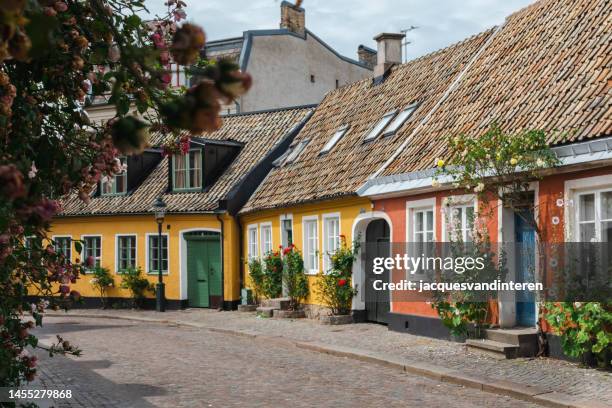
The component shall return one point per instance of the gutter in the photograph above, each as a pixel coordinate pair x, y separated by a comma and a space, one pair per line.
572, 157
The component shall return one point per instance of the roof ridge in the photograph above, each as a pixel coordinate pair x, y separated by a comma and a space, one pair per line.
271, 110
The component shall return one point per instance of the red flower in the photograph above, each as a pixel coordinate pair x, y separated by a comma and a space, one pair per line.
287, 250
341, 282
280, 247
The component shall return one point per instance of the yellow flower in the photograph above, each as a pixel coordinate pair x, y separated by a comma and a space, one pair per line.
513, 161
440, 163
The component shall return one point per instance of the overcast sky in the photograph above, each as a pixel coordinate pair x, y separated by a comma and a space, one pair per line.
344, 24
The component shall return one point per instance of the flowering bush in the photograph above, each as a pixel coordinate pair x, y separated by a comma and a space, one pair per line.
138, 286
56, 57
584, 328
102, 280
267, 275
335, 287
294, 278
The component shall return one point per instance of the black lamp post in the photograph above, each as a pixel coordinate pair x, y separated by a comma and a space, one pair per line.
160, 212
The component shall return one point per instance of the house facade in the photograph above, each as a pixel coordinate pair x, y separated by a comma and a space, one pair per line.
202, 189
290, 65
365, 161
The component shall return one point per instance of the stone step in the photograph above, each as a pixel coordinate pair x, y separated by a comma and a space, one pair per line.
277, 303
265, 311
503, 349
247, 308
525, 338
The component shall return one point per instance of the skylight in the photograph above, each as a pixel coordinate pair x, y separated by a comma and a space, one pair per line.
334, 139
400, 119
379, 126
295, 152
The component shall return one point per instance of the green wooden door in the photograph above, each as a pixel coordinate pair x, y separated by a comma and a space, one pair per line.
204, 277
197, 274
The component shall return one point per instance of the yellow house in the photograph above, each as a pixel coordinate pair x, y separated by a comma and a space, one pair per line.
202, 190
311, 195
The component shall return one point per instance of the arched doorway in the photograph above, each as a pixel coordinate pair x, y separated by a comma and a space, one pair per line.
374, 230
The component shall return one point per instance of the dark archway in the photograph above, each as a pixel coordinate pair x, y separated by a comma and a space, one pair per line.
377, 302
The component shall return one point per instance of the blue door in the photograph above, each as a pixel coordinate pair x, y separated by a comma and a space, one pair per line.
525, 271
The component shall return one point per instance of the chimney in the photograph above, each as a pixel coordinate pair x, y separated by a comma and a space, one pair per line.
389, 52
293, 18
367, 56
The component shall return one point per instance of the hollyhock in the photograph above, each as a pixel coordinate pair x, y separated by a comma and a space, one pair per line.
341, 282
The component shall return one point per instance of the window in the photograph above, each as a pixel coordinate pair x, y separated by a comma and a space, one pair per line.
153, 254
421, 230
92, 246
379, 127
117, 184
331, 239
311, 244
460, 223
595, 216
337, 84
295, 152
400, 120
423, 225
286, 231
335, 138
312, 79
252, 242
266, 239
187, 170
126, 252
63, 245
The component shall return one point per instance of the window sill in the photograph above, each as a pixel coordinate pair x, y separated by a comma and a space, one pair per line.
157, 273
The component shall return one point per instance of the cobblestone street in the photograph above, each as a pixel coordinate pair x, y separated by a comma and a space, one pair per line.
141, 364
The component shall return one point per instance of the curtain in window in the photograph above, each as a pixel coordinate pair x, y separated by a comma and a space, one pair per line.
180, 171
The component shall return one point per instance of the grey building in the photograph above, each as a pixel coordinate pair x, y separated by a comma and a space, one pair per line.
290, 65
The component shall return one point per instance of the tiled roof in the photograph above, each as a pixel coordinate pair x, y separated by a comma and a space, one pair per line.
549, 68
360, 106
260, 132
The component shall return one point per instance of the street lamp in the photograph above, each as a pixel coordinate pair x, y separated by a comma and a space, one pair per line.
159, 208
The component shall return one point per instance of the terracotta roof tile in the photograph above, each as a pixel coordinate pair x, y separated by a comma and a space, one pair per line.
259, 131
360, 106
548, 69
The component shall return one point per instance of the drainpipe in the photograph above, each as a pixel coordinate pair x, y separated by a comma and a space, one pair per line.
222, 306
240, 252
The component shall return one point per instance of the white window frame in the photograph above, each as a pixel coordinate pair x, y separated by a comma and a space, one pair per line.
282, 218
333, 141
329, 247
426, 204
55, 237
460, 201
147, 252
117, 260
187, 171
113, 187
399, 120
252, 252
575, 188
262, 242
380, 126
83, 255
308, 257
598, 219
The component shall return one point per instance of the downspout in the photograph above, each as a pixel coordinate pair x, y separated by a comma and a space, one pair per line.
240, 253
222, 305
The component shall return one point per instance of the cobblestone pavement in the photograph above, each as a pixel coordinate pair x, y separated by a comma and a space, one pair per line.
560, 376
139, 364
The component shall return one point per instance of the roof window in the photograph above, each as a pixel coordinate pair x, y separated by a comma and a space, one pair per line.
400, 119
379, 126
334, 139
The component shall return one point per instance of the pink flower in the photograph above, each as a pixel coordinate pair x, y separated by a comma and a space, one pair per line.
64, 289
89, 261
60, 6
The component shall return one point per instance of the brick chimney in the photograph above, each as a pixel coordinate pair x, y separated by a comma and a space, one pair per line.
367, 56
293, 18
389, 52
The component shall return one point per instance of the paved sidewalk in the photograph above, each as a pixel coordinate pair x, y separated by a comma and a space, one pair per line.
372, 339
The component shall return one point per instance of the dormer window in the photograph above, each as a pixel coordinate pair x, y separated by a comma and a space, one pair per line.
376, 130
117, 184
187, 171
296, 151
400, 119
334, 140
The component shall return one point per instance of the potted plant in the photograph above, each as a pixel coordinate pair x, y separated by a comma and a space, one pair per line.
132, 280
295, 281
